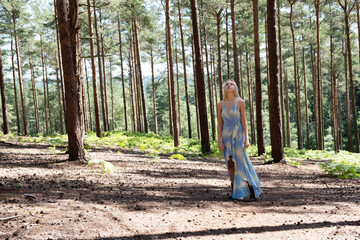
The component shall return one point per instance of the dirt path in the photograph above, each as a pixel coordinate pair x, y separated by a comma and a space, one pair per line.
166, 199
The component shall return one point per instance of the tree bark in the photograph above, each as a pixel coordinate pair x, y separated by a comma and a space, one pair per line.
209, 86
93, 70
274, 98
168, 84
15, 90
154, 91
131, 91
177, 88
6, 128
140, 77
185, 75
306, 101
122, 74
250, 92
235, 52
172, 87
348, 117
227, 50
218, 38
71, 50
320, 127
59, 101
195, 90
296, 79
44, 86
281, 74
205, 141
36, 108
351, 78
258, 91
48, 102
88, 96
112, 96
104, 75
22, 95
100, 70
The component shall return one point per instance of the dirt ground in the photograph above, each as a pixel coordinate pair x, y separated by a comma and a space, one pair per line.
147, 198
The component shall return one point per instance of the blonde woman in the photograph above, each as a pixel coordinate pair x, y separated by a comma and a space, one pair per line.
233, 140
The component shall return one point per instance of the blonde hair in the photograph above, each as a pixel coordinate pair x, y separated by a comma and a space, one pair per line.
236, 92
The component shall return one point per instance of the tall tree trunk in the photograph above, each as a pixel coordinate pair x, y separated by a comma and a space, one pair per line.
281, 73
351, 78
274, 98
258, 92
36, 108
154, 91
93, 70
315, 93
122, 74
287, 111
140, 77
195, 90
71, 51
348, 117
320, 127
218, 38
137, 80
168, 84
241, 78
173, 102
131, 91
227, 50
100, 69
112, 96
104, 74
214, 82
15, 90
177, 87
88, 96
306, 100
337, 89
250, 92
44, 86
48, 102
60, 62
136, 88
296, 79
205, 141
209, 86
22, 95
6, 128
235, 53
59, 100
185, 75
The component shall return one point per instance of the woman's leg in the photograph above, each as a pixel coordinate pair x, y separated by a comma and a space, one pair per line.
231, 172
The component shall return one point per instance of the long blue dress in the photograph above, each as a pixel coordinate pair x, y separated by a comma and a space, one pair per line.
233, 138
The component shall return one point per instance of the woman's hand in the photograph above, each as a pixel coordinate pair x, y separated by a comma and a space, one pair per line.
246, 143
221, 146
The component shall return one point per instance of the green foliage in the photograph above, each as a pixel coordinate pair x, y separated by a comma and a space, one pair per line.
267, 158
293, 163
345, 165
105, 166
178, 156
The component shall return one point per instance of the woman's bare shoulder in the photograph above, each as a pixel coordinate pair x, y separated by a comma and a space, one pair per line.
220, 104
240, 101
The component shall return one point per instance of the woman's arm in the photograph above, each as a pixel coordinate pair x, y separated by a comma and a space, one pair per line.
219, 125
244, 122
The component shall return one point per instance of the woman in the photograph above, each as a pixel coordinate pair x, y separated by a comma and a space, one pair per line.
233, 140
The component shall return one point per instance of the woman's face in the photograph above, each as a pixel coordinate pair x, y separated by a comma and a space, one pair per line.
229, 86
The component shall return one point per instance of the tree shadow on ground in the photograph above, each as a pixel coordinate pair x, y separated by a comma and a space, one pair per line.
236, 230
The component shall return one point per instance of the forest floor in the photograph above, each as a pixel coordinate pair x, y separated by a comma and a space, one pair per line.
147, 198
